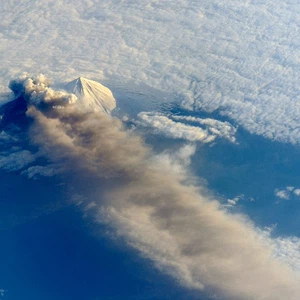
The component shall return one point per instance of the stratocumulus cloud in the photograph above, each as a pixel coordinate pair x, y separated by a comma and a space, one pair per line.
240, 58
154, 206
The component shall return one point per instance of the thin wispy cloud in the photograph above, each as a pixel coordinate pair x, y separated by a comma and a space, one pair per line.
16, 160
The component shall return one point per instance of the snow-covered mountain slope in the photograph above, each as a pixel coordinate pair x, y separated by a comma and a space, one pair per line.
92, 95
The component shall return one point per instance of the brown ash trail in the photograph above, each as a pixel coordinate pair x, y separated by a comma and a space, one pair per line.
154, 209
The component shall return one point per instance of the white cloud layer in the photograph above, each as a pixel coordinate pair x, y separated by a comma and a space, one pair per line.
240, 57
157, 211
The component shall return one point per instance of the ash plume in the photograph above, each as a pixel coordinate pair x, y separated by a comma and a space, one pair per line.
153, 205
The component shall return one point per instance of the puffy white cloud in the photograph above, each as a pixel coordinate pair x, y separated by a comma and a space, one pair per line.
215, 127
232, 201
158, 211
171, 127
235, 200
286, 193
164, 125
282, 194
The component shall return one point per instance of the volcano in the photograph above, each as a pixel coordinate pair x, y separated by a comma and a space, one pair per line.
92, 95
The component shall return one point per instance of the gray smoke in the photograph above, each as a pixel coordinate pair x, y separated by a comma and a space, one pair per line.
153, 205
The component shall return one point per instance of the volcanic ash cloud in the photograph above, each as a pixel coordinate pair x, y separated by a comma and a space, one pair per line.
153, 206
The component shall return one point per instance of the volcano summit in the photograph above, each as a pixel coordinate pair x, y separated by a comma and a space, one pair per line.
92, 95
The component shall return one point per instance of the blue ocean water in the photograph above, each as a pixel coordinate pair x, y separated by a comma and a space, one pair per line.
49, 251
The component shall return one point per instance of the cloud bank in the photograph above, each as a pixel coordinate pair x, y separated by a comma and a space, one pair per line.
240, 58
153, 205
